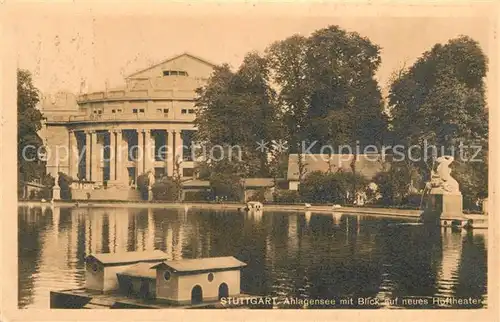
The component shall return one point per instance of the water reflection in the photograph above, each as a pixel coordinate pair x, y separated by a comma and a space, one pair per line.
302, 255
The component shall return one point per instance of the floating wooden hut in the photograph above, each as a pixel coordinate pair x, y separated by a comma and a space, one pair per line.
149, 280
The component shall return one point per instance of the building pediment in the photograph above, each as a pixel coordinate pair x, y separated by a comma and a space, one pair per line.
178, 66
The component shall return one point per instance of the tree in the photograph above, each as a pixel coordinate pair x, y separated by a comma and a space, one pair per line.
278, 163
165, 189
236, 111
29, 164
64, 182
327, 91
226, 183
346, 103
321, 87
257, 110
216, 110
142, 185
440, 100
287, 62
177, 178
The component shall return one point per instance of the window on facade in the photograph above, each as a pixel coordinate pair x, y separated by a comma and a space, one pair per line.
113, 111
95, 111
158, 110
174, 73
165, 110
191, 111
183, 111
166, 275
188, 172
141, 110
119, 110
134, 110
100, 112
210, 277
159, 172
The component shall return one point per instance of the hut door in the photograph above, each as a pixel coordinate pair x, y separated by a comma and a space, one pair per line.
196, 295
223, 291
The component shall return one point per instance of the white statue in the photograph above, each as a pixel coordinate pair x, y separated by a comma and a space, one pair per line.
56, 183
441, 179
151, 179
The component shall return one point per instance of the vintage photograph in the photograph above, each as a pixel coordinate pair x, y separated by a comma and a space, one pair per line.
310, 160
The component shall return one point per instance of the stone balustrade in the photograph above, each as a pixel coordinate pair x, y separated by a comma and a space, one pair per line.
123, 117
150, 94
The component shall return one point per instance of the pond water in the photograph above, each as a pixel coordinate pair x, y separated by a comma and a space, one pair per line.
299, 256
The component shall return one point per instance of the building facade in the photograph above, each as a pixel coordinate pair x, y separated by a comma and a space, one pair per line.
113, 136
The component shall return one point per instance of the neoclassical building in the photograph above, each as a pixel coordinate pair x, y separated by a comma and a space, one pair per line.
106, 131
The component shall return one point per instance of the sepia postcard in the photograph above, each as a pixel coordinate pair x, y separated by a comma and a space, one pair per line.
266, 161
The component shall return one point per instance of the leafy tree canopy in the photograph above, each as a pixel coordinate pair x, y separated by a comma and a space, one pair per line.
28, 124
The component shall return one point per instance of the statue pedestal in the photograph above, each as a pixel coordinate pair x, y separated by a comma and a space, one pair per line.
56, 193
442, 206
150, 194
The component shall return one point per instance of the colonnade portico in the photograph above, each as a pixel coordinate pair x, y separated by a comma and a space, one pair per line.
107, 154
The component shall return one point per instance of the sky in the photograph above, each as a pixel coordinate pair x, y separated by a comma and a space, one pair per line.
85, 51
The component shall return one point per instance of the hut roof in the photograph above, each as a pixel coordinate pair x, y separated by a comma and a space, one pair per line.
142, 269
128, 257
202, 264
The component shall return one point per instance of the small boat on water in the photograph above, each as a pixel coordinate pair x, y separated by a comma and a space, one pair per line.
254, 206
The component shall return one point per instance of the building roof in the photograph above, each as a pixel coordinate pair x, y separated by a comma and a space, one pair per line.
249, 182
259, 182
141, 269
368, 165
170, 59
128, 257
202, 264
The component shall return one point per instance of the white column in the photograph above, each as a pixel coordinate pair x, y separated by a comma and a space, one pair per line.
121, 158
148, 151
140, 152
88, 154
152, 146
72, 155
95, 157
169, 158
178, 150
112, 156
